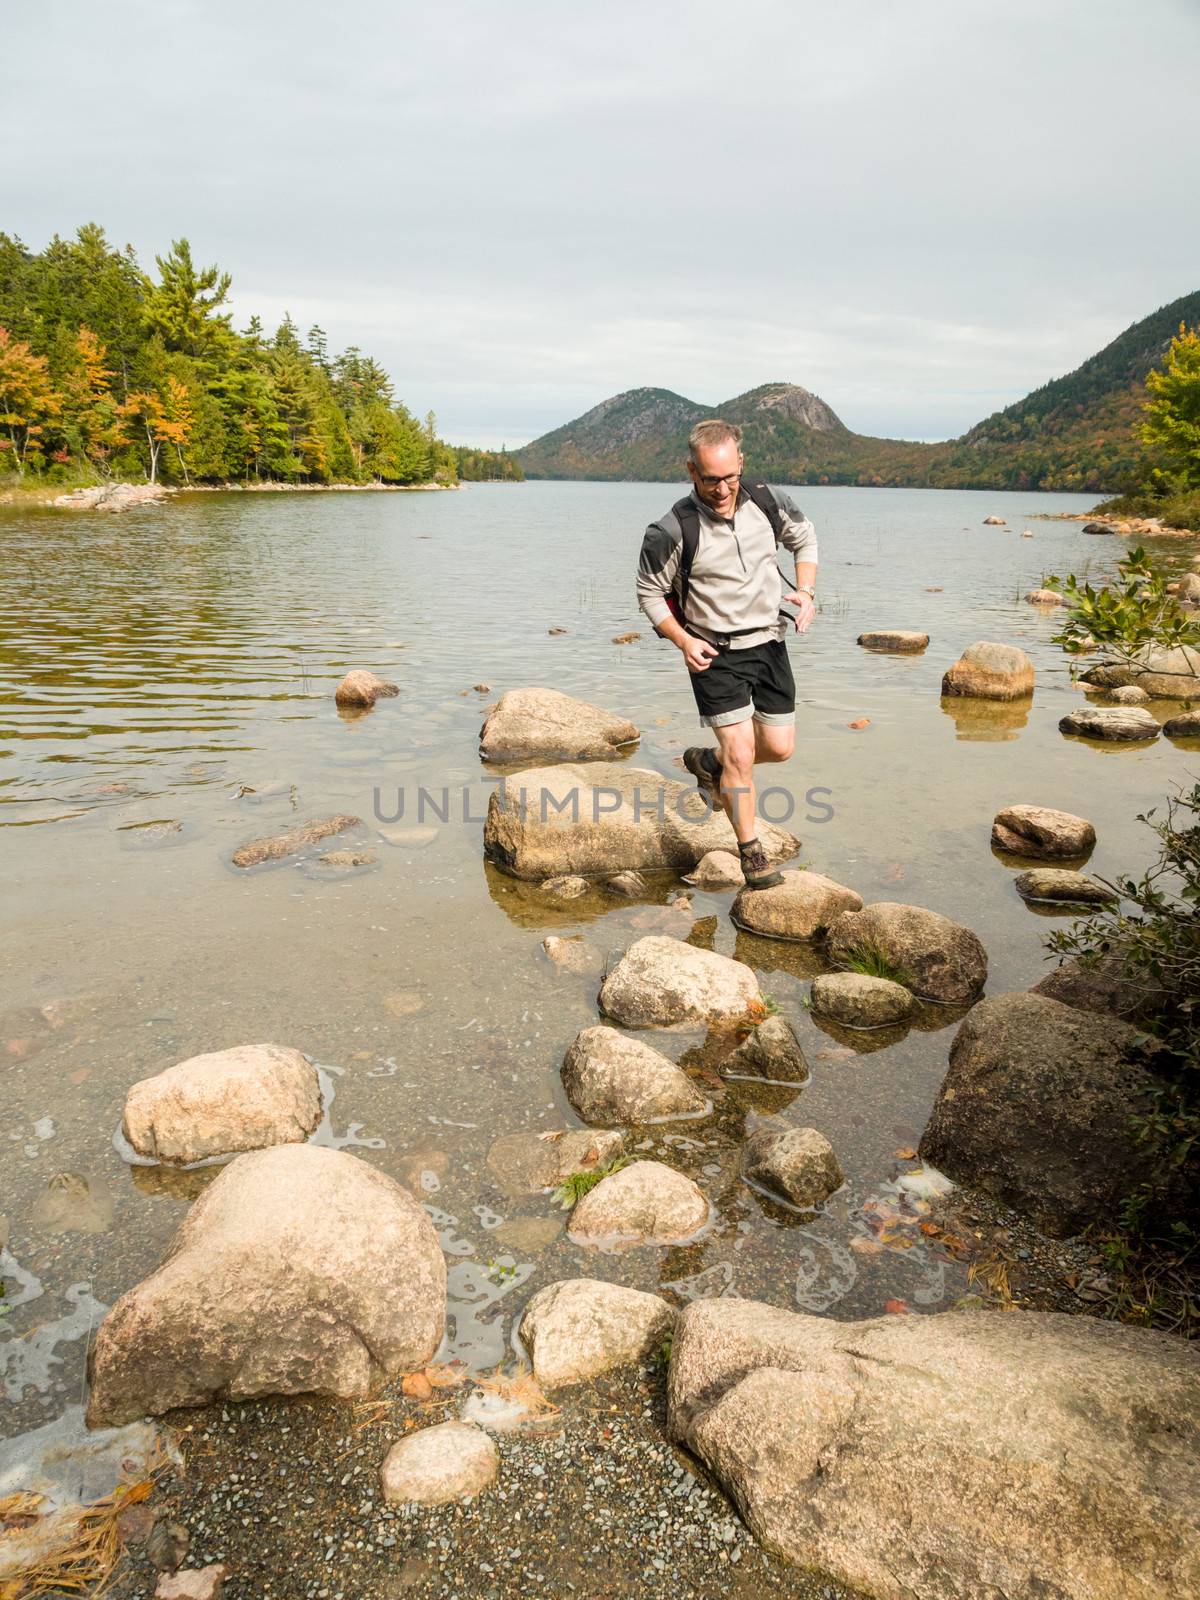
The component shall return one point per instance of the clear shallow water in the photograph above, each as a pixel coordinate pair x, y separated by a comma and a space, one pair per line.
166, 688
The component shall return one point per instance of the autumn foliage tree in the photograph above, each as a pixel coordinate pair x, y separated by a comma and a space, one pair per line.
1171, 430
28, 403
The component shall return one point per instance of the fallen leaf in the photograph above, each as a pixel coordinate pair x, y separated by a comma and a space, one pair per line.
860, 722
896, 1308
451, 1375
862, 1245
905, 1153
416, 1386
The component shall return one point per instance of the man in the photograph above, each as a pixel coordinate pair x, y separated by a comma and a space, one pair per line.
709, 581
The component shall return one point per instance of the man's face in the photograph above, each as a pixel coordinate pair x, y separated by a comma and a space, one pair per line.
716, 471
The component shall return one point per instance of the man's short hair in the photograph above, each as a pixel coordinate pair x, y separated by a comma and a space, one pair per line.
712, 432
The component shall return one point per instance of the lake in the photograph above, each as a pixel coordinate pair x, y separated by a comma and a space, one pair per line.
167, 687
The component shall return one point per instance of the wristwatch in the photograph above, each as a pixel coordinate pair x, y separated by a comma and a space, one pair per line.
806, 588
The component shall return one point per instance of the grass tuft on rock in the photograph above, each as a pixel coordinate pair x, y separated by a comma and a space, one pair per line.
572, 1190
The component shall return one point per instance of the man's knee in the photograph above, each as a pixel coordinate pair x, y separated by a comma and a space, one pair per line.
775, 743
737, 749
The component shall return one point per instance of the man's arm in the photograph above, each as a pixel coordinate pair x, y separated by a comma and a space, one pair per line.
658, 567
800, 537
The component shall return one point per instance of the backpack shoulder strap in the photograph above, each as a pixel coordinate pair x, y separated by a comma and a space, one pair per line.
689, 524
766, 502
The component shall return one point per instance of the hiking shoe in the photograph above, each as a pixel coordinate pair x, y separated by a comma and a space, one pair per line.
704, 765
757, 870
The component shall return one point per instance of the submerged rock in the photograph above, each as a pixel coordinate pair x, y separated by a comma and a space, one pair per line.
298, 1270
605, 818
859, 1001
1038, 1108
280, 845
1041, 831
577, 1329
989, 671
361, 688
546, 725
523, 1163
797, 1163
902, 640
936, 958
573, 954
646, 1203
964, 1454
1045, 597
1112, 722
450, 1461
801, 907
1128, 694
660, 982
1056, 883
611, 1078
247, 1098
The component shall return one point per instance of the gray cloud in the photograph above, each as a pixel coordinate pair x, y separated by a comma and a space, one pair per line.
920, 212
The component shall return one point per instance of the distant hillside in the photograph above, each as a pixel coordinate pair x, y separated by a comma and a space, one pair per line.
1074, 433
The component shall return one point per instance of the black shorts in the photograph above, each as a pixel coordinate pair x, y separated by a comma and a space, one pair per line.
740, 684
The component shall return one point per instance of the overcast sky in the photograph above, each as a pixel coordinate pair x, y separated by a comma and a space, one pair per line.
919, 211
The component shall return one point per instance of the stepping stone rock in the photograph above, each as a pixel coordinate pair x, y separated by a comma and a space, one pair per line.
573, 954
994, 522
801, 907
962, 1454
582, 1327
900, 640
607, 817
987, 671
939, 959
662, 982
1045, 597
772, 1051
798, 1164
544, 725
298, 1270
1128, 694
361, 689
450, 1461
860, 1001
567, 886
1164, 674
247, 1098
1184, 726
1041, 831
287, 844
346, 860
719, 869
1117, 722
611, 1078
523, 1163
1056, 883
646, 1203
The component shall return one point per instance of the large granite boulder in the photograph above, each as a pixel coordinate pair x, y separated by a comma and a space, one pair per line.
798, 1164
801, 907
937, 959
646, 1203
577, 1329
1038, 1109
963, 1456
608, 818
545, 725
1042, 831
988, 671
298, 1270
612, 1078
662, 982
223, 1103
1114, 723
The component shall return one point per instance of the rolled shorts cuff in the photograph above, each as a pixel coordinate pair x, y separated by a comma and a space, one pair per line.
775, 719
725, 719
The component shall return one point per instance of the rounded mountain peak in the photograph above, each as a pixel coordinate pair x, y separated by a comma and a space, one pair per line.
787, 400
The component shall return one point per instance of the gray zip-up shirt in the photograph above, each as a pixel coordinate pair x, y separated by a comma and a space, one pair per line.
735, 581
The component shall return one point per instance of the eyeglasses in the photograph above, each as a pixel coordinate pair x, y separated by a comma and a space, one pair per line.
712, 483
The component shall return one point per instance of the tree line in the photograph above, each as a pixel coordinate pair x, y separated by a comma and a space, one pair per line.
107, 371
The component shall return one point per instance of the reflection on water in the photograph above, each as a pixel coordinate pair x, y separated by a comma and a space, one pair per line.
166, 695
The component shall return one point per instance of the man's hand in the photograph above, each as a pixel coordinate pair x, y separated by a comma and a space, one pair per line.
697, 652
805, 609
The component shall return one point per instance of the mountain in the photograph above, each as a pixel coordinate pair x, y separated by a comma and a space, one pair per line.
1074, 433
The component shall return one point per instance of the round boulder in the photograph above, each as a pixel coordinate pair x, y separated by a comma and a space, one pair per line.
1056, 883
545, 725
573, 954
450, 1461
298, 1270
611, 1078
719, 869
899, 640
801, 907
860, 1001
662, 982
770, 1051
1045, 597
988, 671
361, 689
1184, 726
936, 958
1128, 694
1041, 831
223, 1103
798, 1164
582, 1327
646, 1203
1112, 723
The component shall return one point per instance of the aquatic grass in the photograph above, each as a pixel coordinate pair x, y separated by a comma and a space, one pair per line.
873, 961
572, 1190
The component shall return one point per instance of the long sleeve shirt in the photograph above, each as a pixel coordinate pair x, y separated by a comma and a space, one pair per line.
735, 585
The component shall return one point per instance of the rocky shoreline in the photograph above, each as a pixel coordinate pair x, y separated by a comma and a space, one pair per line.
116, 497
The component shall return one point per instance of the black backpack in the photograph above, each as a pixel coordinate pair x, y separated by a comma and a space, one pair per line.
689, 521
